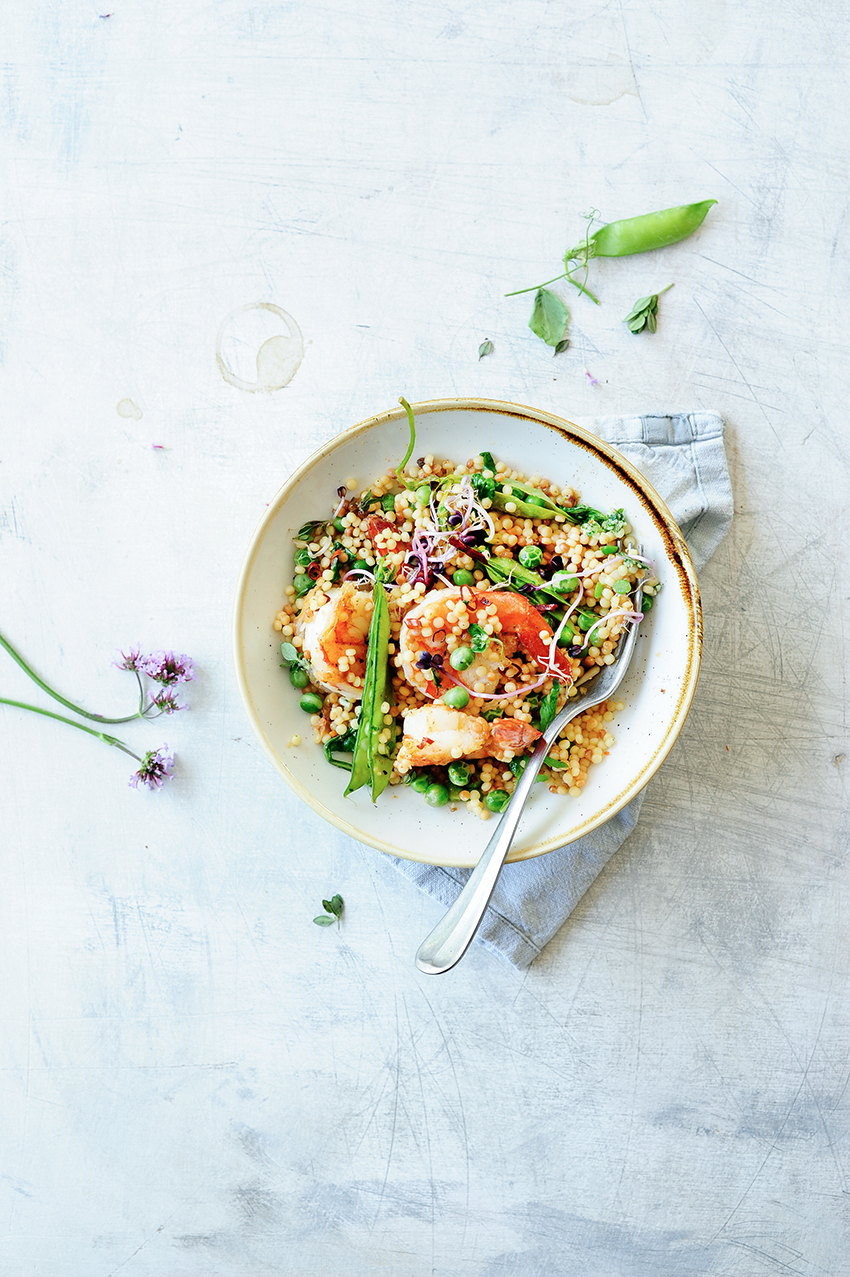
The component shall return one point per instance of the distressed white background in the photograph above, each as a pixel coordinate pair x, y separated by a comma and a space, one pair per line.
196, 1081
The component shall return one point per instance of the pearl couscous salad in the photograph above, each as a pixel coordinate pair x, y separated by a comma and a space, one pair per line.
437, 621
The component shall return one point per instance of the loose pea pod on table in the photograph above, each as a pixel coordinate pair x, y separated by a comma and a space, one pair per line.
641, 234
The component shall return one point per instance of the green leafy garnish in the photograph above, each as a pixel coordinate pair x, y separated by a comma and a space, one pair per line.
372, 761
490, 715
299, 671
311, 531
479, 639
343, 745
483, 487
333, 912
487, 461
549, 706
486, 348
644, 313
609, 525
549, 317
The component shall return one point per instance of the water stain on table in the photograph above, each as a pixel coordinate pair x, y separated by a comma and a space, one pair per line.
252, 332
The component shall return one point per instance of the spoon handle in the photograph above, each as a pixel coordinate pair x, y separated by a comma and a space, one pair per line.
453, 934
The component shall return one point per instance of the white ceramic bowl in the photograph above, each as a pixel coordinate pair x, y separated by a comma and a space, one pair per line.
657, 690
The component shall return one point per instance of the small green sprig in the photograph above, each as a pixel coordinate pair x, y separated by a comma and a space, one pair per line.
644, 313
299, 670
333, 912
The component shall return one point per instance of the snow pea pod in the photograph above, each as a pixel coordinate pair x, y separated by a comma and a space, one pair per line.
640, 234
370, 763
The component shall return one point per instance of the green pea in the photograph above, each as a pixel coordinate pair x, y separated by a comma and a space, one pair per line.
302, 584
517, 765
567, 636
531, 556
303, 557
456, 698
459, 774
564, 582
455, 792
298, 677
436, 795
463, 577
461, 658
423, 494
646, 605
622, 587
586, 619
497, 799
610, 549
311, 703
339, 525
421, 783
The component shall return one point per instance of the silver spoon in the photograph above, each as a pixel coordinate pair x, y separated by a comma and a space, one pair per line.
453, 934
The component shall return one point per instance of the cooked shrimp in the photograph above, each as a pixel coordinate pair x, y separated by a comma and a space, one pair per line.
435, 626
334, 629
435, 734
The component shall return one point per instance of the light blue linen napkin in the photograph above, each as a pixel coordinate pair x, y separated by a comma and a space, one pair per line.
683, 458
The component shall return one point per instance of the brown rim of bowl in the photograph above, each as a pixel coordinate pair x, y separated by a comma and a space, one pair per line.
650, 501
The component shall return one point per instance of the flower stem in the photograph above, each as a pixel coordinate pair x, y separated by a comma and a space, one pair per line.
95, 718
60, 718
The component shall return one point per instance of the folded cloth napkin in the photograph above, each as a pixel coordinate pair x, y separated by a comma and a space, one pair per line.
682, 456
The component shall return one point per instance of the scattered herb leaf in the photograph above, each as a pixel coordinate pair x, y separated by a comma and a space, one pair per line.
333, 912
549, 317
562, 345
644, 313
486, 348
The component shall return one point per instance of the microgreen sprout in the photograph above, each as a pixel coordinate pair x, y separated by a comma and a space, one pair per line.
333, 912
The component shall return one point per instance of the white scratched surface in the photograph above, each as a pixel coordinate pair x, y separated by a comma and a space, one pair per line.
196, 1081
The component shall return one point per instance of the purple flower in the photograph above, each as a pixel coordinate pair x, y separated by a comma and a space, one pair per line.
167, 703
157, 766
133, 660
166, 668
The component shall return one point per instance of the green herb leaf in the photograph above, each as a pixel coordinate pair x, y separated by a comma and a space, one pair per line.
479, 639
549, 707
289, 653
323, 920
310, 531
483, 487
490, 715
549, 317
486, 348
334, 905
487, 461
562, 345
644, 313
